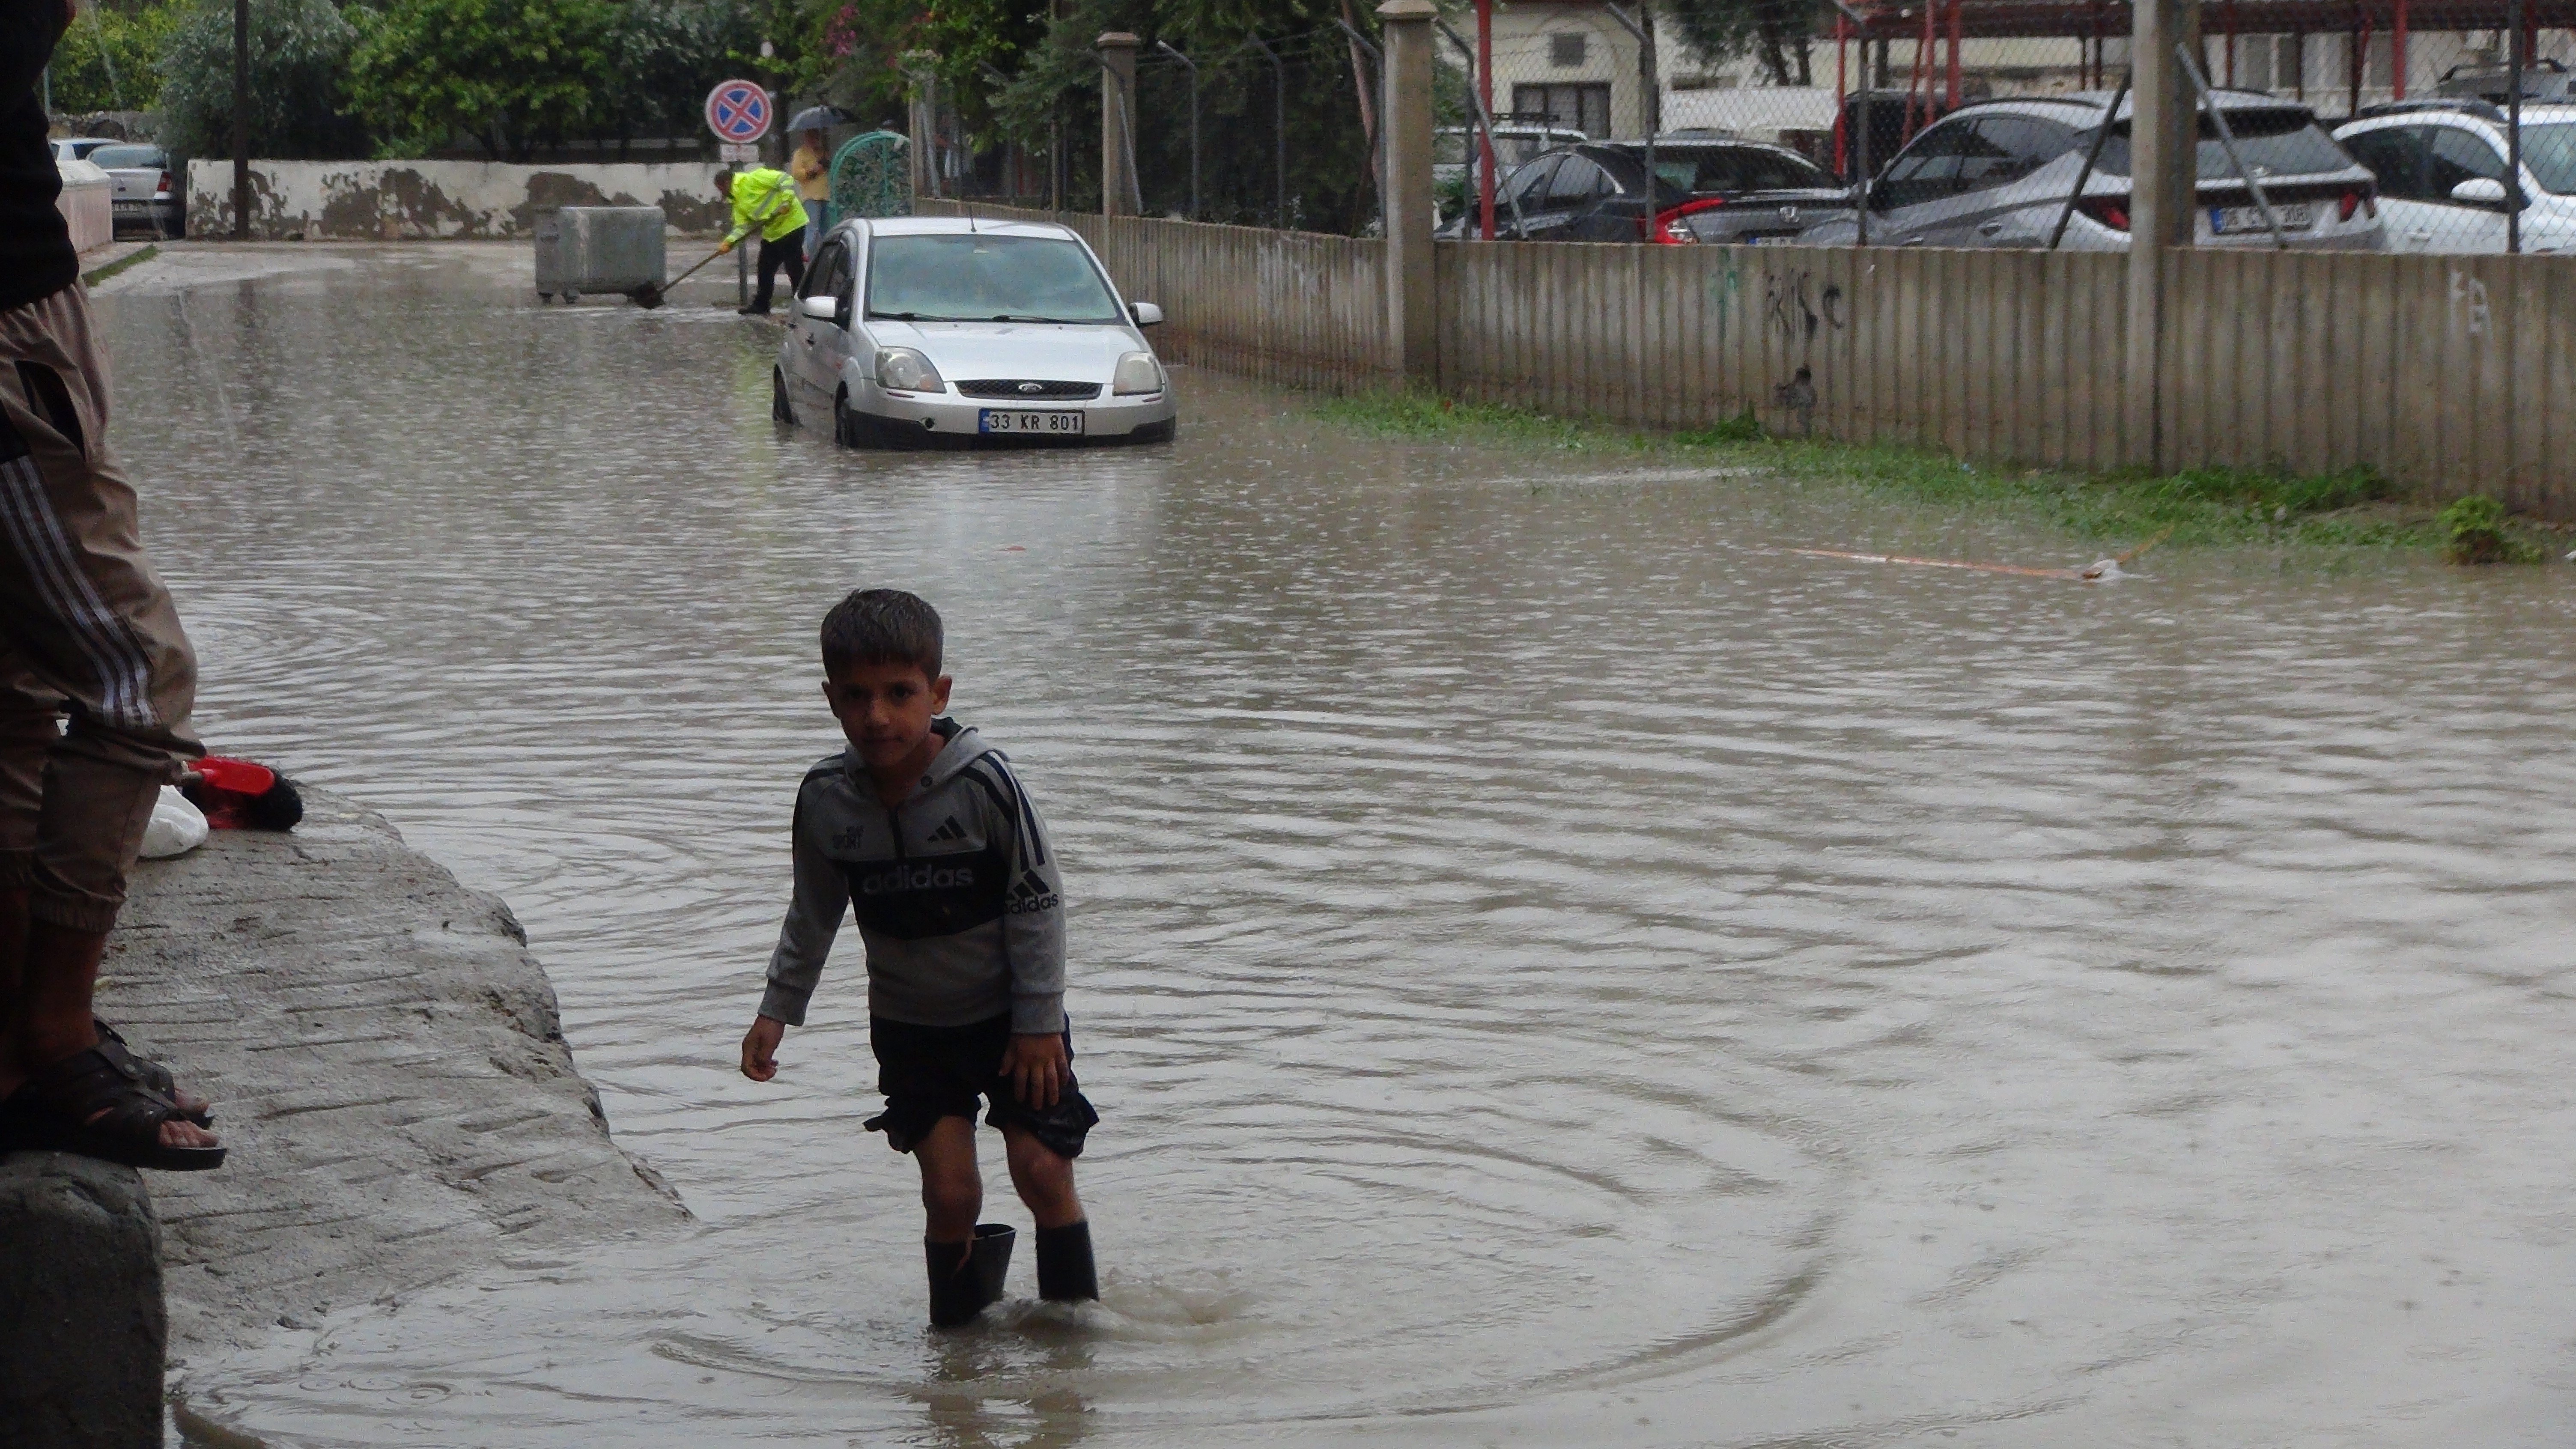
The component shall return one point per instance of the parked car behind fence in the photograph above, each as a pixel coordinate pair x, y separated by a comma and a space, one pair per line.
2443, 177
1998, 174
1704, 190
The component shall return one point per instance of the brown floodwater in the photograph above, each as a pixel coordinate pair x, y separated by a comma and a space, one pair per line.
1555, 967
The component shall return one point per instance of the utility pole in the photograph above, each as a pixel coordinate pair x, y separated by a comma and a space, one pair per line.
1278, 134
1120, 194
1167, 48
1412, 300
1485, 108
2164, 150
241, 120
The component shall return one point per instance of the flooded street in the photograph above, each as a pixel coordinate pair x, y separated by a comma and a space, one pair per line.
1555, 968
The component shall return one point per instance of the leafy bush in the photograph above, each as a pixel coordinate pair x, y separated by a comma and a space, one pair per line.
2473, 532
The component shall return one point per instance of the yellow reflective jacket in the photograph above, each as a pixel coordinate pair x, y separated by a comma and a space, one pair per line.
766, 197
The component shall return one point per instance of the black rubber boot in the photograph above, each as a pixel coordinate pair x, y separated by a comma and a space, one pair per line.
992, 1261
965, 1279
1065, 1269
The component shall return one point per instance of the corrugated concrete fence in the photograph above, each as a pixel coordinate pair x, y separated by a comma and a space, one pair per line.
2447, 374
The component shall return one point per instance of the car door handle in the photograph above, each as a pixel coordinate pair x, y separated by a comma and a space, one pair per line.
1990, 228
1913, 241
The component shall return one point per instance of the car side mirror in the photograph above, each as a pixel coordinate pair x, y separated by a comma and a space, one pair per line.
1145, 313
823, 307
2479, 191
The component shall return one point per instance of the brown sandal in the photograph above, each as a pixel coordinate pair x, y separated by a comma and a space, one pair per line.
89, 1105
143, 1069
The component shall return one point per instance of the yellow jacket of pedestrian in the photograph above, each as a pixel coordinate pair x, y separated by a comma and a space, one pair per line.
813, 173
764, 197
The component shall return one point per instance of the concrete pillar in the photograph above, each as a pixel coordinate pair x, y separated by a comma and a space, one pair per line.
1412, 301
2164, 148
81, 1322
1118, 190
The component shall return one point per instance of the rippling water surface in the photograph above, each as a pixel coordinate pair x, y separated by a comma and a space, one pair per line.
1555, 968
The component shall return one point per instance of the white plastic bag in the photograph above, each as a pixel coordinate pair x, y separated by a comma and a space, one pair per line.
177, 826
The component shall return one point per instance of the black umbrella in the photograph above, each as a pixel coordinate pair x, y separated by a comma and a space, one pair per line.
819, 118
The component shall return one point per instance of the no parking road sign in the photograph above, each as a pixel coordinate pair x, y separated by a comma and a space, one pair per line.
738, 111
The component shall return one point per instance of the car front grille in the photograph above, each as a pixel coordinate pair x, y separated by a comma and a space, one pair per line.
1030, 389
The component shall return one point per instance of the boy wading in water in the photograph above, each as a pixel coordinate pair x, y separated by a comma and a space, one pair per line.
923, 829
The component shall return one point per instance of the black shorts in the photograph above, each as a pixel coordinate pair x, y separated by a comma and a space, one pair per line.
930, 1072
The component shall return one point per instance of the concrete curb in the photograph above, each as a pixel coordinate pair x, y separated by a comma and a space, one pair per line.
113, 265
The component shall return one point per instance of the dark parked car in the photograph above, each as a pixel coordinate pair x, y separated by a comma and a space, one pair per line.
1702, 191
1739, 191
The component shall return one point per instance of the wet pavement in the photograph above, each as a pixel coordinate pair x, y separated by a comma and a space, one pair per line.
1555, 967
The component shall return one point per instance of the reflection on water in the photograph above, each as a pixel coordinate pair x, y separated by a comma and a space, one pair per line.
1554, 965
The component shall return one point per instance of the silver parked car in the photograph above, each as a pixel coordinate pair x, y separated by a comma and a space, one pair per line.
1997, 174
2442, 174
926, 329
148, 191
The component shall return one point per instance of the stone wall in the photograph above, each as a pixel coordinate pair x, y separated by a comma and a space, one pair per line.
453, 200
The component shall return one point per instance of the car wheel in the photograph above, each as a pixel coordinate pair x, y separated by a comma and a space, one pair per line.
849, 429
779, 409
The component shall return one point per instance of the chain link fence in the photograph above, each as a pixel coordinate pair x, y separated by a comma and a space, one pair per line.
2344, 124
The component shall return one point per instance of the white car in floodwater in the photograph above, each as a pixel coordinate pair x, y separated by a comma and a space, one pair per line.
928, 329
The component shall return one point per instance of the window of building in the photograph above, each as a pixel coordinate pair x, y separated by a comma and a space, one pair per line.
1583, 106
1566, 47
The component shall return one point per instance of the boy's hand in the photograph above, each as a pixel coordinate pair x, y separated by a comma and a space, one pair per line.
760, 1048
1036, 1066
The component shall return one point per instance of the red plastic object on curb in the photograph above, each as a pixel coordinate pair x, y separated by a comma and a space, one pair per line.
241, 777
244, 795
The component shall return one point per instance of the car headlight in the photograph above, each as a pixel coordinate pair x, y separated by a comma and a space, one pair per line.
1138, 372
906, 370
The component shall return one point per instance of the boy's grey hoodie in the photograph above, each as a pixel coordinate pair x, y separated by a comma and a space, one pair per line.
957, 895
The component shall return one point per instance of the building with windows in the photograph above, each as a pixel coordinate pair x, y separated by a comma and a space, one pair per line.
1565, 63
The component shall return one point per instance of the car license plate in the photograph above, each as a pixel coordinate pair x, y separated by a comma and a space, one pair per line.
125, 206
1772, 239
1013, 421
2225, 219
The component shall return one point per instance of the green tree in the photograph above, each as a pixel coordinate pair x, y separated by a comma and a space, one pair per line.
110, 60
299, 52
666, 54
509, 73
1775, 31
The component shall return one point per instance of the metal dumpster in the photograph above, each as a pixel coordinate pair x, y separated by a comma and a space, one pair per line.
598, 249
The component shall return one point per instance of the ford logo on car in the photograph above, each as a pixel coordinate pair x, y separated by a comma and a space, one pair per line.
1032, 387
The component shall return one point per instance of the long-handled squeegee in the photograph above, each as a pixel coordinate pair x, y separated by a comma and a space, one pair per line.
651, 294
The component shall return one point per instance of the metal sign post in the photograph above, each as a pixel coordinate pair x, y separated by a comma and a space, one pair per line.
739, 112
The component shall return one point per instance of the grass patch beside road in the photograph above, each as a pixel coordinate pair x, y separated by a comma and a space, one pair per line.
2354, 509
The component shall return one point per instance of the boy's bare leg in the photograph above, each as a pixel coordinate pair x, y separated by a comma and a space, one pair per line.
952, 1188
1044, 1178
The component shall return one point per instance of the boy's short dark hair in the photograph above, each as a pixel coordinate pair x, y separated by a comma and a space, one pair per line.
724, 182
882, 626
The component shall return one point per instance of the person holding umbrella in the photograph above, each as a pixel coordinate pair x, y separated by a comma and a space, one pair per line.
764, 200
812, 168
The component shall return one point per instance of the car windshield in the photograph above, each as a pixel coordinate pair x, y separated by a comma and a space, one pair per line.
984, 277
2550, 151
2284, 141
113, 157
1725, 170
